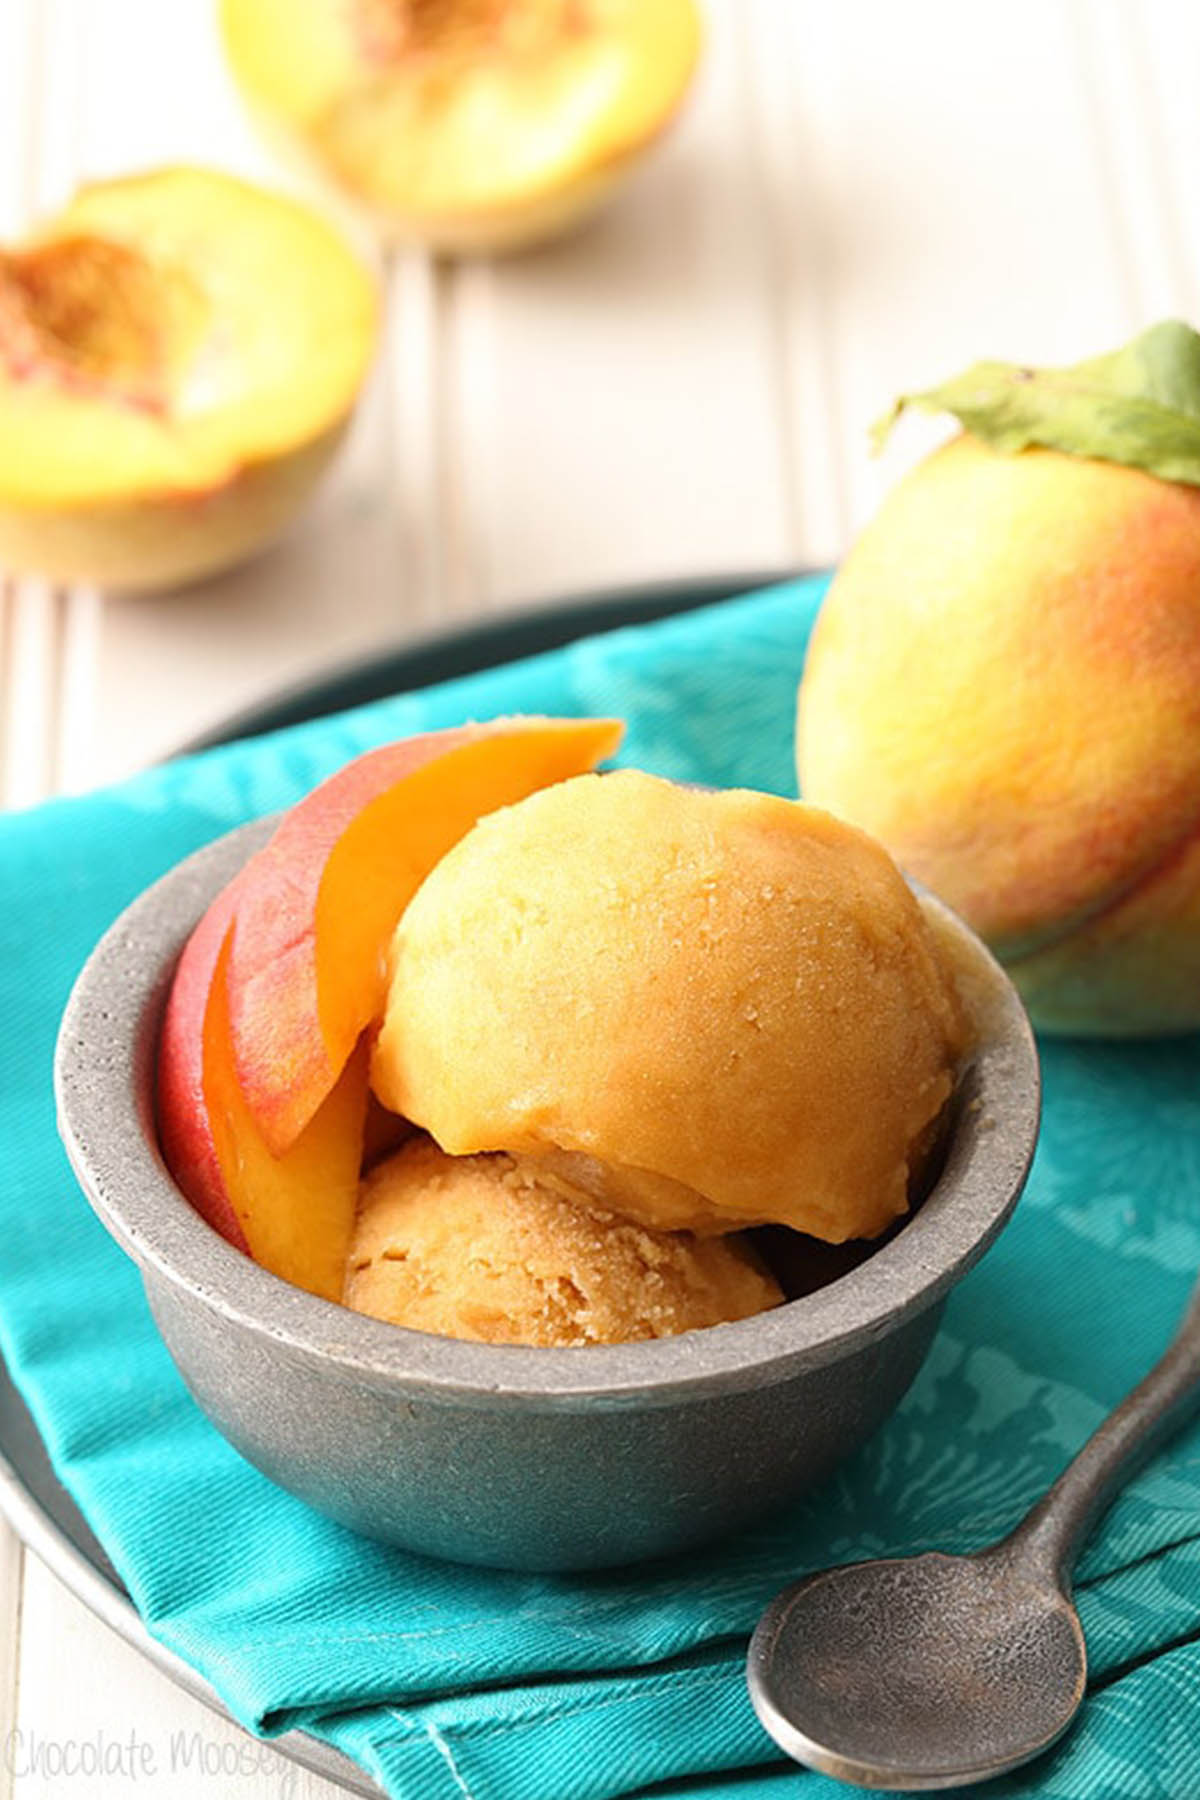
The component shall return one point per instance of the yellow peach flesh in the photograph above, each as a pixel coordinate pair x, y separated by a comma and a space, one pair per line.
474, 124
296, 1211
179, 354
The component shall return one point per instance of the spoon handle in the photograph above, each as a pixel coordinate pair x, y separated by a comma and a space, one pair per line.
1052, 1534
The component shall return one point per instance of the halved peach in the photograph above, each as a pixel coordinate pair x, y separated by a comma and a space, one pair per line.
470, 124
318, 905
293, 1214
180, 354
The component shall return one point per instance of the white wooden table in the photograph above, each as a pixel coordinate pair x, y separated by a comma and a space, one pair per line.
861, 198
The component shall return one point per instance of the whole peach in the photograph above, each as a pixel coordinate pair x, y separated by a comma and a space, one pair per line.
1004, 687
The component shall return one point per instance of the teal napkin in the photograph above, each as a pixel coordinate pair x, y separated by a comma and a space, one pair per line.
456, 1684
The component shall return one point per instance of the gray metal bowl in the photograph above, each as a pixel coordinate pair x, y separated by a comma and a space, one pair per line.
516, 1457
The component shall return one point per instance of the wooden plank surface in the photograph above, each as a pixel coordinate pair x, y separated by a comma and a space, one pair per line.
616, 412
860, 199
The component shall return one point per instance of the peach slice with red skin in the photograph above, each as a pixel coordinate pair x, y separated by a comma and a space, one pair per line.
293, 1214
318, 905
185, 1126
293, 952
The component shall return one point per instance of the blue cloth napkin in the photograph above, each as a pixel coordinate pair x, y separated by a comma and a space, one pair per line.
457, 1684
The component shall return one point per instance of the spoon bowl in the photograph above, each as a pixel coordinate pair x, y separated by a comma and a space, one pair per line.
918, 1672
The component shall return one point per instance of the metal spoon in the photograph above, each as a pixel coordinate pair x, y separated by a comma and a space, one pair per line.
931, 1671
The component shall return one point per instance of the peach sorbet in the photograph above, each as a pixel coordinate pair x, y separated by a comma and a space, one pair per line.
699, 1010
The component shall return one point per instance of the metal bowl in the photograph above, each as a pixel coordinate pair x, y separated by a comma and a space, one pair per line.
519, 1457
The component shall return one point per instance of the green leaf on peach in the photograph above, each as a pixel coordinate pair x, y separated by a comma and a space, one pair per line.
1139, 405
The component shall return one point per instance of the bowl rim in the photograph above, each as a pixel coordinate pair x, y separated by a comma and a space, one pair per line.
103, 1083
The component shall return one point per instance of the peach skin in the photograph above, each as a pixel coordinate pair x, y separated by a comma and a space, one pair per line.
1004, 687
294, 1214
318, 905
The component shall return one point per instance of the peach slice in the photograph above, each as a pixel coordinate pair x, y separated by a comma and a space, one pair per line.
180, 354
318, 905
472, 125
293, 1214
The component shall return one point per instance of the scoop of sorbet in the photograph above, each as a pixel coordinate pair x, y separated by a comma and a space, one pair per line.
705, 1010
489, 1247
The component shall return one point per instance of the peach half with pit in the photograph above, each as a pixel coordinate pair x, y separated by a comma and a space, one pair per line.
469, 125
262, 1061
180, 355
